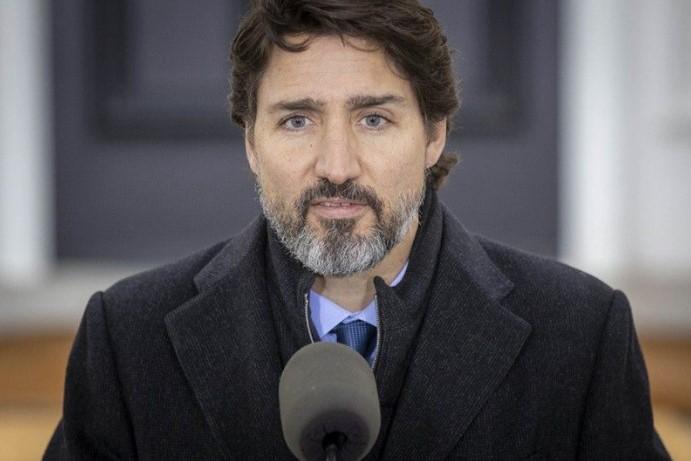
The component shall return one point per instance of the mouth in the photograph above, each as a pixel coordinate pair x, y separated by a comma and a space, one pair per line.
338, 208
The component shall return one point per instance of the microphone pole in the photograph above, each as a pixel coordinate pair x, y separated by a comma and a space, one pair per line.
331, 453
333, 443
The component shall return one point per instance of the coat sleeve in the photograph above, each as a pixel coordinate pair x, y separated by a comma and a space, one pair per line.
95, 424
618, 421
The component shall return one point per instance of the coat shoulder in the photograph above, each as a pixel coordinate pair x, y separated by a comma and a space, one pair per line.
166, 285
164, 288
548, 289
539, 272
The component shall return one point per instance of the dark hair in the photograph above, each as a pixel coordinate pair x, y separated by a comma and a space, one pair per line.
407, 32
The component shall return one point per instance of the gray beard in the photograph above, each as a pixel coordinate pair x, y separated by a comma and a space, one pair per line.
338, 252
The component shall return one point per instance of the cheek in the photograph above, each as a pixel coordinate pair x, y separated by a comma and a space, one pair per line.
283, 171
400, 164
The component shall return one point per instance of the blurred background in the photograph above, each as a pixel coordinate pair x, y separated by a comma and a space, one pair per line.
117, 154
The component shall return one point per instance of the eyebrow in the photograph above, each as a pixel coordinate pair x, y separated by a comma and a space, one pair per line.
364, 101
354, 103
306, 104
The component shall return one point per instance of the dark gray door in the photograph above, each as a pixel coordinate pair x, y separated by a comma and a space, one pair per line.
149, 167
506, 184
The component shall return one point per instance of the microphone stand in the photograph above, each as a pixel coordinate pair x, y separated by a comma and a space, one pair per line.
331, 453
333, 442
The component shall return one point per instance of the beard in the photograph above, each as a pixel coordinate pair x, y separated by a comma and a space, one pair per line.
335, 249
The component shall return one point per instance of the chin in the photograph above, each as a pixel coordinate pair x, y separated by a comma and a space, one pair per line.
358, 227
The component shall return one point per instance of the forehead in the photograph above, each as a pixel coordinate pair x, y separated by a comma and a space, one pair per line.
330, 69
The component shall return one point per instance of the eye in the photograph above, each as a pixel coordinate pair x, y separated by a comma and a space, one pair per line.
374, 121
296, 122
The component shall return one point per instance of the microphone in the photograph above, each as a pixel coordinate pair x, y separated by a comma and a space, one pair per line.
329, 404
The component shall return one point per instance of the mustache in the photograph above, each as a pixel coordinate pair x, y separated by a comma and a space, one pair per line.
346, 191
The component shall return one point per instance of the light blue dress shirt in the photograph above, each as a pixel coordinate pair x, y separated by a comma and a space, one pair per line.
326, 314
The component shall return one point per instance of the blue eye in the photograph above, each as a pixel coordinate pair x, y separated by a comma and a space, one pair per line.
374, 121
296, 122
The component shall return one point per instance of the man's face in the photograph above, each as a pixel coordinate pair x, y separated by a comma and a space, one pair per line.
339, 150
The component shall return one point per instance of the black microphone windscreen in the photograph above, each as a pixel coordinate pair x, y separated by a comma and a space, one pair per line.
328, 394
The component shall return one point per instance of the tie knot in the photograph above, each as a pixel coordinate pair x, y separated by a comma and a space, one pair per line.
358, 335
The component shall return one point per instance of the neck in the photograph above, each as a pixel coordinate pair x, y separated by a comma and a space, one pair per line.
356, 291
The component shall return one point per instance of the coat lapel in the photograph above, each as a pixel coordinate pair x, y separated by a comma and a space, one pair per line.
467, 344
225, 342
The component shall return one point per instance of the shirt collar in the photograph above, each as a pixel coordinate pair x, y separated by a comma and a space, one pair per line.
326, 314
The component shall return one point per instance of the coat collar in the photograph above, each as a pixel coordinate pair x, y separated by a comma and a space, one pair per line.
468, 342
225, 341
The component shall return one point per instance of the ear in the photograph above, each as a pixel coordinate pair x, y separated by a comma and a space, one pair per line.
249, 150
436, 143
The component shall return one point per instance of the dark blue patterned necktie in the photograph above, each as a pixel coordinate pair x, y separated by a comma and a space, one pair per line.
358, 335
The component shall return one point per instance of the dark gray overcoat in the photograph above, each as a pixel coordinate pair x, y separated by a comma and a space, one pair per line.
487, 353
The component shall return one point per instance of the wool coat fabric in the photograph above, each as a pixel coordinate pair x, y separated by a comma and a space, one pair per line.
487, 353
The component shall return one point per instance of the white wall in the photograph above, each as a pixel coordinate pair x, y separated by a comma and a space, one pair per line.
626, 150
661, 137
594, 176
26, 230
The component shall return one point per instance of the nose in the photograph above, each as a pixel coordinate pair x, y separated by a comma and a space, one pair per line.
338, 159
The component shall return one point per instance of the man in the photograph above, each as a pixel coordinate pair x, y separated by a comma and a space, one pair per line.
479, 351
